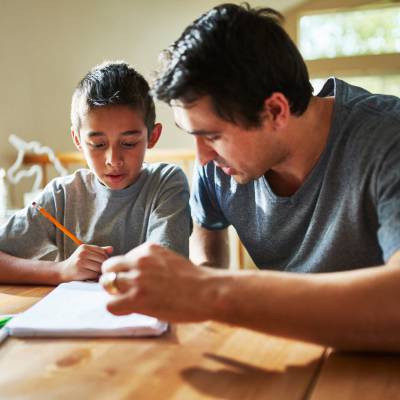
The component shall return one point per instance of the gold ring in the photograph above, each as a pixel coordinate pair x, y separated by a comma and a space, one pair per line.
108, 281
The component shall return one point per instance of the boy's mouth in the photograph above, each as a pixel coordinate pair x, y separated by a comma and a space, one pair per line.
115, 177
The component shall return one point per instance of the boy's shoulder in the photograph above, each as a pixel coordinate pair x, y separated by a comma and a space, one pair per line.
162, 171
79, 178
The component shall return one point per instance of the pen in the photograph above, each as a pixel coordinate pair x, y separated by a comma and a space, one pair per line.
57, 224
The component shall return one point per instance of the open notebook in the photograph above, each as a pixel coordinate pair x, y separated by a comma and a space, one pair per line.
79, 309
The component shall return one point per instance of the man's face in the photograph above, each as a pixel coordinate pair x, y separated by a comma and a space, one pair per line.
114, 140
244, 154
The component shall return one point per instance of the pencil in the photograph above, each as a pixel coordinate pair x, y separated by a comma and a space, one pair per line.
57, 224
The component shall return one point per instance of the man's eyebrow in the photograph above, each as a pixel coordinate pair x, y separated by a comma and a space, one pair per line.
200, 132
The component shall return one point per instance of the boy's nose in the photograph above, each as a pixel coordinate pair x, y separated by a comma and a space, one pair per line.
114, 157
204, 153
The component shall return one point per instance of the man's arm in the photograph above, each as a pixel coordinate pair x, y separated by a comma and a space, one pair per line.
353, 310
209, 248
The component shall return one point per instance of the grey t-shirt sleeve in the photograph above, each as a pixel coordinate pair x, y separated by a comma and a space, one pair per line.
205, 208
27, 234
388, 199
170, 224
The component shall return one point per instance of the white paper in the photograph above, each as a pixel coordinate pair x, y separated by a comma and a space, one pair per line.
79, 309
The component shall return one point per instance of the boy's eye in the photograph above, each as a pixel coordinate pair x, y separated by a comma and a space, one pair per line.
129, 144
96, 145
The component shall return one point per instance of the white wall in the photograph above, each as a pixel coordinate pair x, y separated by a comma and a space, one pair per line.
46, 46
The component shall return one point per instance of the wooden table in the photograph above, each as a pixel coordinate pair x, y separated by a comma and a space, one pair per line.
192, 361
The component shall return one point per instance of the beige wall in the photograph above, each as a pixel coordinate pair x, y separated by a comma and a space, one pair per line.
46, 46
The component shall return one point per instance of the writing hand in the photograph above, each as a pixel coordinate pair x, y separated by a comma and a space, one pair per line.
84, 263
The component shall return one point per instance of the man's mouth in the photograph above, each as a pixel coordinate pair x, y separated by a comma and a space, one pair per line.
227, 170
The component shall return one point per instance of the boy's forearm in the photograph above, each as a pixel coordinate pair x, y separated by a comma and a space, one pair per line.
15, 270
355, 310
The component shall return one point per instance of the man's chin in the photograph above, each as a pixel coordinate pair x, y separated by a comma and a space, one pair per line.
240, 179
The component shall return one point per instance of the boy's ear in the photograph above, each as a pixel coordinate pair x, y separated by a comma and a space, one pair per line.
277, 110
155, 135
76, 139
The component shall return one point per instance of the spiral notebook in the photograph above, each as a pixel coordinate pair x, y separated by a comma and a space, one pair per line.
78, 309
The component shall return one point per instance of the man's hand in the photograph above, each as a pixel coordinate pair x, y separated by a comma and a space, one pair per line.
84, 263
155, 281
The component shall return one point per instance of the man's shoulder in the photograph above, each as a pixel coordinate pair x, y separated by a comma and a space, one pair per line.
367, 105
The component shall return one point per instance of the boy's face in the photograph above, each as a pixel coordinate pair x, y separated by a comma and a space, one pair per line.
114, 140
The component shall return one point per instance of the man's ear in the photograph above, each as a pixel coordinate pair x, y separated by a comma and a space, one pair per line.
277, 110
154, 136
76, 139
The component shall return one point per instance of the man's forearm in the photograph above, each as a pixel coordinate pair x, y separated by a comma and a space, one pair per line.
17, 270
209, 248
356, 310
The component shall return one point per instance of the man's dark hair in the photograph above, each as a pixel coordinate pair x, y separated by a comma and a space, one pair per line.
238, 56
113, 83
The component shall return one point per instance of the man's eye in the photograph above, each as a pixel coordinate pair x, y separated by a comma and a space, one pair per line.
212, 138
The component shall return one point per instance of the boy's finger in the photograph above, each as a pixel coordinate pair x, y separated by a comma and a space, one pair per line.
109, 249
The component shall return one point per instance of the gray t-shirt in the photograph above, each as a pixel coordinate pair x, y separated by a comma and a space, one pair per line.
346, 214
155, 208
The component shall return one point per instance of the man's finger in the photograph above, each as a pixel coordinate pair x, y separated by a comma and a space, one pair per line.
116, 264
121, 305
117, 282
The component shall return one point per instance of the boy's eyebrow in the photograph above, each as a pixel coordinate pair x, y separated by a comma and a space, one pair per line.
126, 133
200, 132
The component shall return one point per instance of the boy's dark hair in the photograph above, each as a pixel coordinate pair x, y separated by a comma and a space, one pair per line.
238, 56
113, 83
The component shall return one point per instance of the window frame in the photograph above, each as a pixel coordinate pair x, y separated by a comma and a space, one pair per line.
360, 65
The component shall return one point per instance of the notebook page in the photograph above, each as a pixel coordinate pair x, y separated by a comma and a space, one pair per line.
79, 309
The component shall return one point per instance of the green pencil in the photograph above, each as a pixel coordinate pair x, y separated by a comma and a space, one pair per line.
3, 321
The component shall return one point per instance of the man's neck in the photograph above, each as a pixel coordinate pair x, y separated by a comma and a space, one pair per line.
307, 137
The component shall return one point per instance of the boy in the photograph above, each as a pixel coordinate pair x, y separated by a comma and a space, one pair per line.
116, 204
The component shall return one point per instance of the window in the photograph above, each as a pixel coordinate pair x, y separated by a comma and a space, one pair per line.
349, 33
354, 40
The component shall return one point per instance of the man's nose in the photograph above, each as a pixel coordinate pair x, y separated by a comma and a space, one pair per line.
204, 153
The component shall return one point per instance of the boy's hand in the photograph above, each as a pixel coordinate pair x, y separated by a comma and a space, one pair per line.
84, 263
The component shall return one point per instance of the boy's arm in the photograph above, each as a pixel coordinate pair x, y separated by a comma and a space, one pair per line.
19, 270
209, 247
352, 310
84, 263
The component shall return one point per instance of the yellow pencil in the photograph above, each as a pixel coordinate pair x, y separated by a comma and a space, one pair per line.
57, 224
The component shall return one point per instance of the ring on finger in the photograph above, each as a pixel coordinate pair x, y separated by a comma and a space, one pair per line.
109, 281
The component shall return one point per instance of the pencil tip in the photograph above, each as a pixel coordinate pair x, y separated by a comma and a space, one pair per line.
34, 204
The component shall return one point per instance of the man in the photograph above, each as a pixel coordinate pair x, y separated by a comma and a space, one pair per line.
310, 183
